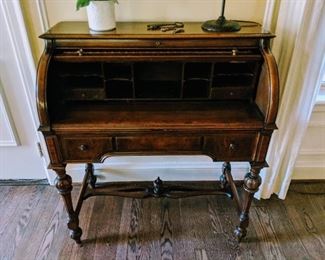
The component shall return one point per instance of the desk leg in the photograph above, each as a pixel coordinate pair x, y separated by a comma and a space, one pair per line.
93, 179
63, 184
223, 178
252, 181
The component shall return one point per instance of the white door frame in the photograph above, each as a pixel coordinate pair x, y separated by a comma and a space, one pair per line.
27, 70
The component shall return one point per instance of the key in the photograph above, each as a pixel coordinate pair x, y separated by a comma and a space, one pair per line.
178, 30
167, 28
158, 26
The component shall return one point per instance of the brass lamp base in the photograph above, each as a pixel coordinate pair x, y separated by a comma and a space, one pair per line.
220, 25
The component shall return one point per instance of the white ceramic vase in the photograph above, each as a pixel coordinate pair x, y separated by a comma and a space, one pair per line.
101, 15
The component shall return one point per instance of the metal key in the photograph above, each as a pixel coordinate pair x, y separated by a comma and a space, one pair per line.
178, 30
167, 28
158, 26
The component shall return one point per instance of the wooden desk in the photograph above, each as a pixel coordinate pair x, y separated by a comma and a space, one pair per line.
139, 92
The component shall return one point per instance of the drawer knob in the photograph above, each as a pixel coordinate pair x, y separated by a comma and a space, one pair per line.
232, 147
80, 52
83, 147
157, 43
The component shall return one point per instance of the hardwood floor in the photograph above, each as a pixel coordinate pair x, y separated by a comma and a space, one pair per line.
33, 226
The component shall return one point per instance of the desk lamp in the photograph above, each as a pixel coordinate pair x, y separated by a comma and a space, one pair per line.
221, 24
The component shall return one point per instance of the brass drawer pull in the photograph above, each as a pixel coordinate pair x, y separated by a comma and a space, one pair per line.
80, 52
157, 43
83, 147
232, 147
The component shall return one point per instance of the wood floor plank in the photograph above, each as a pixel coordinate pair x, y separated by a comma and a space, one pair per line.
33, 226
307, 231
47, 221
15, 224
222, 242
291, 245
125, 223
260, 219
107, 228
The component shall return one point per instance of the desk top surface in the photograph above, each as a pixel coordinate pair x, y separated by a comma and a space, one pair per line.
138, 30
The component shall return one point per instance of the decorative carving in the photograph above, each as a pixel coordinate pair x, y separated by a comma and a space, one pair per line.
252, 181
157, 186
63, 184
157, 190
224, 182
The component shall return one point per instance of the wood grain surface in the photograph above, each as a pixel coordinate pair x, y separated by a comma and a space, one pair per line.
32, 226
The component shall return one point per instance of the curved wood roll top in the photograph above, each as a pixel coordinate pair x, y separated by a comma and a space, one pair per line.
41, 95
267, 95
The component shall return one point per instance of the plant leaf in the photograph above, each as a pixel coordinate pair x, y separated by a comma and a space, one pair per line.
82, 3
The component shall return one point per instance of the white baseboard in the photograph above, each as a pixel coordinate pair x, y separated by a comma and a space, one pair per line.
310, 165
309, 173
168, 168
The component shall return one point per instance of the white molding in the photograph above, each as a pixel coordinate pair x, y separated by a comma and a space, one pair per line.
309, 173
312, 152
7, 122
23, 55
317, 124
319, 108
43, 15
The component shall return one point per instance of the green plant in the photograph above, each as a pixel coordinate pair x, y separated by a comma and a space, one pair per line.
83, 3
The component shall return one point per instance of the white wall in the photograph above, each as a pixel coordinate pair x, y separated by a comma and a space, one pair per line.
141, 10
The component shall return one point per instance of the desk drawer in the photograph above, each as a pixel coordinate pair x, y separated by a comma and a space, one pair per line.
232, 147
85, 148
158, 143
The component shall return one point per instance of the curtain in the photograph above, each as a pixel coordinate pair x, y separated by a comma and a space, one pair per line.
299, 49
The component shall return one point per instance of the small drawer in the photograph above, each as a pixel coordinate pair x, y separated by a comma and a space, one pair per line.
232, 93
85, 94
85, 148
231, 147
158, 143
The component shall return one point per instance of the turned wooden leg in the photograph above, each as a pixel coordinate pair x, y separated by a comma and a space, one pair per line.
223, 178
92, 177
252, 181
224, 184
63, 183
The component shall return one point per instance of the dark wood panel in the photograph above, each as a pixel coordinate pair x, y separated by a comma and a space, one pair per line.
138, 117
159, 143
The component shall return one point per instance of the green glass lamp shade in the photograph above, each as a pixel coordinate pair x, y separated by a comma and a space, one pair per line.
221, 24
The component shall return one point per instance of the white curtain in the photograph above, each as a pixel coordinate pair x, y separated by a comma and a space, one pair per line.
299, 49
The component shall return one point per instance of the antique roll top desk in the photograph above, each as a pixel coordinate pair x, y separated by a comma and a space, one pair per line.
138, 92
